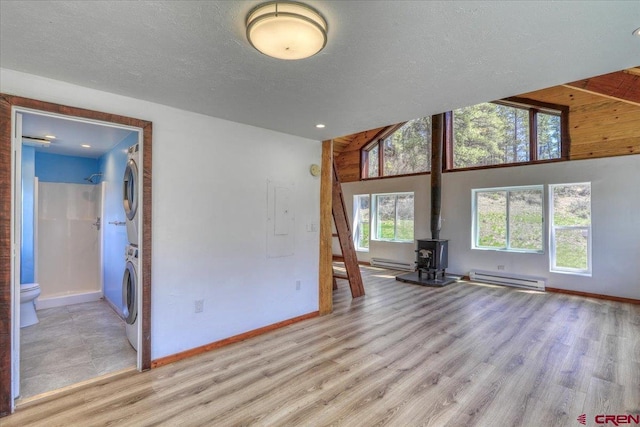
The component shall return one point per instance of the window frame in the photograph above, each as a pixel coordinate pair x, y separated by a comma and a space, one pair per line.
553, 268
507, 248
534, 107
357, 223
378, 141
373, 217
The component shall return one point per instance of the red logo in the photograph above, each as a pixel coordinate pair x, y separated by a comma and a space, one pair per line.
617, 420
582, 419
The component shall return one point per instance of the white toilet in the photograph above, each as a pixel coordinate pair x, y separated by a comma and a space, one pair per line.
28, 293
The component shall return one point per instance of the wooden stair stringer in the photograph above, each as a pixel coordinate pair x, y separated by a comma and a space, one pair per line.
341, 222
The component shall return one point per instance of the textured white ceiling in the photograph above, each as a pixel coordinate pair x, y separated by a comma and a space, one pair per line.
385, 61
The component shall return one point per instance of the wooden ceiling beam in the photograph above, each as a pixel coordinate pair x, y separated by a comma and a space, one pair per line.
621, 86
359, 140
635, 71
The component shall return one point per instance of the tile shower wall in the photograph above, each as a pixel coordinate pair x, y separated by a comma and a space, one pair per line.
68, 242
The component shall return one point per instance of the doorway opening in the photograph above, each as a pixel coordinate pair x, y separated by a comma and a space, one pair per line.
72, 251
62, 209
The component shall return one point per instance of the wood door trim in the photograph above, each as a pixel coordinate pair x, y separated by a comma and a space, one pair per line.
6, 103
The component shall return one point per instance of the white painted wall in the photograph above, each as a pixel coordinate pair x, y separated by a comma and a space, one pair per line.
422, 202
615, 204
209, 217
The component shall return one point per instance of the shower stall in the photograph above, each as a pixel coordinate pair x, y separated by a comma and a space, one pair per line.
68, 235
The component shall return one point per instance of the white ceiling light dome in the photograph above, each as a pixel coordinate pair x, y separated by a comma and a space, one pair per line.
286, 30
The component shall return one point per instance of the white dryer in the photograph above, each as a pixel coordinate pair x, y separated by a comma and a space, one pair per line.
130, 295
130, 195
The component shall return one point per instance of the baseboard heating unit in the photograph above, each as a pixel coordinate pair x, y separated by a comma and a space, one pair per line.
392, 264
508, 279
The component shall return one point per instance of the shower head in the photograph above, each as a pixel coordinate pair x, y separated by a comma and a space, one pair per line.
92, 176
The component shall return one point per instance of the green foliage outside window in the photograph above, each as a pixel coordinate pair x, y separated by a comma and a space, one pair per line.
509, 219
491, 133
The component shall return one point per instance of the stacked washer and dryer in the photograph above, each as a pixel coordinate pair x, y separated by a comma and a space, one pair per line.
130, 279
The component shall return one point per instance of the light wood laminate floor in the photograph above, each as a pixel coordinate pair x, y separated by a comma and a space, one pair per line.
403, 355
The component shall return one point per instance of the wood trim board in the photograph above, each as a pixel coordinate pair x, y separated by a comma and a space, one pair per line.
6, 103
590, 295
231, 340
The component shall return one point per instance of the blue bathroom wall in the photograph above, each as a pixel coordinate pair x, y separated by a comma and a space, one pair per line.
27, 266
112, 166
67, 169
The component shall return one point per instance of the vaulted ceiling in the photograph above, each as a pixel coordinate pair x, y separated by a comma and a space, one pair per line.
622, 86
385, 61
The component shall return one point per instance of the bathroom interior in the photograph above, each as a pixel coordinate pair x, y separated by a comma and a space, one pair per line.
72, 256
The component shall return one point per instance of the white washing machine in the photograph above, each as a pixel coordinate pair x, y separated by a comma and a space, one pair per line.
130, 193
130, 294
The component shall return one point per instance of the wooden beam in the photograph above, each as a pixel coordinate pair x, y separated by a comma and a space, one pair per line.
622, 86
359, 140
634, 71
603, 95
325, 280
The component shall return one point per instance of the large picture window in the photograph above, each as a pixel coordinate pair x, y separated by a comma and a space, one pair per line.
570, 228
393, 219
509, 218
511, 131
498, 133
361, 220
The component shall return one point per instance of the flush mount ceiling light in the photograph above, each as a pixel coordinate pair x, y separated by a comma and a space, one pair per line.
286, 30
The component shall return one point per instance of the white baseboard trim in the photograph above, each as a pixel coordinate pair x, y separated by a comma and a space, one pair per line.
42, 303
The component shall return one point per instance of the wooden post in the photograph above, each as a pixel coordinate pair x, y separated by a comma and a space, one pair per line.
325, 280
437, 137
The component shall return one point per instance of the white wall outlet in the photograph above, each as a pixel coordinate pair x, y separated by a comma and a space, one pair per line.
501, 267
297, 285
199, 306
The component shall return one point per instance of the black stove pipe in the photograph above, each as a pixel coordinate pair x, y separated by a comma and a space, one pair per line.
437, 143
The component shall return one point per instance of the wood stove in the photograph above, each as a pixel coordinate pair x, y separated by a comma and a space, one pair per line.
432, 258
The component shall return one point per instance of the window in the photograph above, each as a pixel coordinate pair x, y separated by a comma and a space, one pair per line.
373, 162
548, 129
361, 222
393, 219
570, 228
508, 218
405, 151
496, 133
506, 132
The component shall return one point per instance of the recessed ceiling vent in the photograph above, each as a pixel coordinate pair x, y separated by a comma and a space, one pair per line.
34, 141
